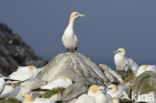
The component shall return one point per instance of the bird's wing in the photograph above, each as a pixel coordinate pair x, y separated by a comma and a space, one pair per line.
76, 40
133, 65
21, 74
85, 99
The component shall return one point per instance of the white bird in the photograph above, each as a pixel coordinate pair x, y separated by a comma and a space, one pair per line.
115, 100
144, 68
97, 92
30, 99
2, 83
69, 39
24, 73
116, 91
123, 63
95, 95
63, 82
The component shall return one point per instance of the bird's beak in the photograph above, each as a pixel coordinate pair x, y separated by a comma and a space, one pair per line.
81, 15
114, 52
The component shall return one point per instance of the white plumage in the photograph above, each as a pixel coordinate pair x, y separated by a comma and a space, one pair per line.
24, 73
69, 39
95, 95
115, 100
123, 63
144, 68
116, 91
63, 82
2, 83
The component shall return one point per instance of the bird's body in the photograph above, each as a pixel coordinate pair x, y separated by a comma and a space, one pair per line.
69, 38
123, 63
144, 68
85, 99
116, 91
24, 73
115, 100
58, 83
2, 83
95, 95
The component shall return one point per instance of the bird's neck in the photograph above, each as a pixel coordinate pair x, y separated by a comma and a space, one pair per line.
71, 23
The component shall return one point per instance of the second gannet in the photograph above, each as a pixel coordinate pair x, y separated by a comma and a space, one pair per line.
2, 83
144, 68
24, 73
69, 39
116, 91
63, 82
123, 63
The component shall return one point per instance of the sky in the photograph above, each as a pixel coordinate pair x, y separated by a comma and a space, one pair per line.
107, 26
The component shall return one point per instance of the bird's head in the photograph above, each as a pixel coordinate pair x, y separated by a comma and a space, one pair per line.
112, 88
115, 100
28, 98
120, 51
31, 67
75, 15
94, 89
67, 80
145, 66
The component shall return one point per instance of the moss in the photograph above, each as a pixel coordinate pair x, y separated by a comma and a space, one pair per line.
125, 75
50, 93
9, 100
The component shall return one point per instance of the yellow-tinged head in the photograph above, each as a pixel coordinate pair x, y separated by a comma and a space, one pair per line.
65, 78
31, 67
113, 87
74, 15
145, 66
93, 89
121, 51
28, 98
115, 100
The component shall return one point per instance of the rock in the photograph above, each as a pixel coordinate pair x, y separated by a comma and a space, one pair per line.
78, 68
145, 83
15, 52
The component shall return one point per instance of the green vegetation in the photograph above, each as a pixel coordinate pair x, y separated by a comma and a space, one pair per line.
9, 100
52, 92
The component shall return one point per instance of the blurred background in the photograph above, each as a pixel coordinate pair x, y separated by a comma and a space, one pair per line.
108, 25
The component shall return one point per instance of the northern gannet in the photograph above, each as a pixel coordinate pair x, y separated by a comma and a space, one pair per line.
30, 99
123, 63
69, 39
2, 83
97, 92
24, 73
116, 91
144, 68
6, 92
63, 82
115, 100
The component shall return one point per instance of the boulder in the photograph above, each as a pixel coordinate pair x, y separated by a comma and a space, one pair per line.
145, 83
77, 67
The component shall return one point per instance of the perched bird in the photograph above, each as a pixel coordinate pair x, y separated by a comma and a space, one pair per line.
69, 39
85, 99
115, 100
123, 63
63, 82
95, 95
116, 91
144, 68
97, 92
30, 99
24, 73
2, 83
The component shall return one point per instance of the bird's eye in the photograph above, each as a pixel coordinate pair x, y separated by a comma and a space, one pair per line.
76, 14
